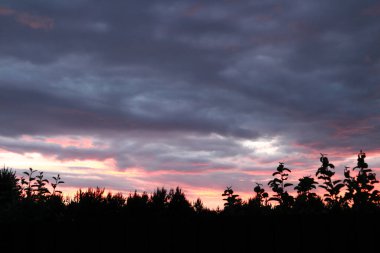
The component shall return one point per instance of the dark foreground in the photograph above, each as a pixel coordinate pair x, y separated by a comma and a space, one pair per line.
215, 233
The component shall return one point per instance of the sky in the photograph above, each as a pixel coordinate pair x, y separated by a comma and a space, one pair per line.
134, 95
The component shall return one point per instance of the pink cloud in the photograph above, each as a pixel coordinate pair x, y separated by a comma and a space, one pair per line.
344, 132
191, 169
28, 20
4, 11
373, 10
64, 141
35, 22
71, 142
194, 9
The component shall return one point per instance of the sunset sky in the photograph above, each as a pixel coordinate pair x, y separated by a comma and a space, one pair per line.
133, 94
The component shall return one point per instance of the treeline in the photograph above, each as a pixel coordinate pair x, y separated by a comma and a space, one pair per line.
32, 197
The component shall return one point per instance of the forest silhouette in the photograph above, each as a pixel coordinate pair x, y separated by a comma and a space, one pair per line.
345, 217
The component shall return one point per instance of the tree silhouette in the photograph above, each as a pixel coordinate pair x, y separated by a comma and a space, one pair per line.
198, 206
178, 202
87, 204
115, 201
305, 185
306, 200
278, 186
232, 200
159, 199
360, 188
333, 187
10, 190
137, 203
261, 197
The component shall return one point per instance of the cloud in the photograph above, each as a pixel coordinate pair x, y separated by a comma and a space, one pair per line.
35, 22
4, 11
26, 19
373, 10
53, 150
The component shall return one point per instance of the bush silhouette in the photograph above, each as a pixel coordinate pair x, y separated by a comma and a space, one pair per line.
232, 200
278, 186
41, 192
57, 181
90, 197
261, 198
28, 183
305, 185
360, 188
306, 200
333, 187
88, 203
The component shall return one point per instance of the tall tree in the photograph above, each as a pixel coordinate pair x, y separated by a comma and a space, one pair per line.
159, 199
178, 202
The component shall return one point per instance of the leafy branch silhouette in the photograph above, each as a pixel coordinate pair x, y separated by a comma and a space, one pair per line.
333, 187
232, 201
278, 186
360, 188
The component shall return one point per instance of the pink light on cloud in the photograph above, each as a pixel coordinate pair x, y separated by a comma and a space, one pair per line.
258, 172
4, 11
192, 170
373, 10
27, 19
345, 132
66, 141
35, 22
184, 164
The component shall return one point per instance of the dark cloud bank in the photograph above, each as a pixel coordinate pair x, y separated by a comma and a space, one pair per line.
171, 83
